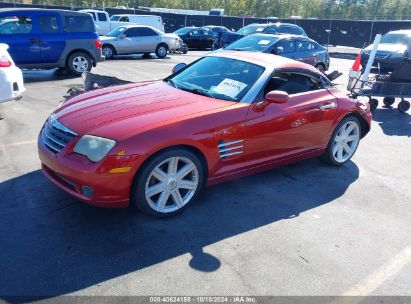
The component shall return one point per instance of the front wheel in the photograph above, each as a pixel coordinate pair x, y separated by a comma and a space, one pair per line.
161, 51
78, 63
344, 141
320, 67
168, 183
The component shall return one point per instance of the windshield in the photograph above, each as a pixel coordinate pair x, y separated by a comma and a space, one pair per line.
183, 31
251, 29
255, 43
115, 18
394, 38
117, 31
218, 77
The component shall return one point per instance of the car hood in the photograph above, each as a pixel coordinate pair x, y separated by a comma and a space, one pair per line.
122, 111
388, 48
107, 38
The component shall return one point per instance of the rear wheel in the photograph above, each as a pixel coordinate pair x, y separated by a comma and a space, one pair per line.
168, 183
344, 141
161, 50
108, 51
78, 63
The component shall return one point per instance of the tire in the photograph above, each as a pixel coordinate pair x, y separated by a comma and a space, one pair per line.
320, 67
161, 50
167, 198
373, 103
404, 106
79, 62
388, 101
108, 51
342, 147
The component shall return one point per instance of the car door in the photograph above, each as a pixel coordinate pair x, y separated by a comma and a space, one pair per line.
209, 37
149, 39
18, 32
129, 41
50, 37
305, 52
193, 39
302, 125
288, 48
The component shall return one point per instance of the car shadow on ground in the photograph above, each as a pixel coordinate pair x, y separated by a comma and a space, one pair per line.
392, 121
138, 57
32, 76
52, 244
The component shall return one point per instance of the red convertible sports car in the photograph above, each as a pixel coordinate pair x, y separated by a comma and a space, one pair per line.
156, 144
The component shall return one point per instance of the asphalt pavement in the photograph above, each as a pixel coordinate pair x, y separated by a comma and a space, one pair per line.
305, 229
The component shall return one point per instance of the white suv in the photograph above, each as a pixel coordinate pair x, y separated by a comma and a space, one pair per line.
11, 77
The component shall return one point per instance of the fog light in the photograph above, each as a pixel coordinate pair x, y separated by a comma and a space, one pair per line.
87, 191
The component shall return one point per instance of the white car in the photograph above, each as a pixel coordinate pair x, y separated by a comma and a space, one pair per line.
11, 77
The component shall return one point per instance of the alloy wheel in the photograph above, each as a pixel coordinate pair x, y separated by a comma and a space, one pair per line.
162, 51
107, 52
80, 64
171, 184
346, 141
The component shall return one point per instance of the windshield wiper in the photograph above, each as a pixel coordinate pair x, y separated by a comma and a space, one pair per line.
170, 81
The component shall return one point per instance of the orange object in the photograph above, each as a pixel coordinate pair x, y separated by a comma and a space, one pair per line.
357, 63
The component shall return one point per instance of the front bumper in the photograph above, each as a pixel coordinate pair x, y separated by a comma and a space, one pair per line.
11, 83
90, 182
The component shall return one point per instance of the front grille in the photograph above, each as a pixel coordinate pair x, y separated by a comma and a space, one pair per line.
56, 136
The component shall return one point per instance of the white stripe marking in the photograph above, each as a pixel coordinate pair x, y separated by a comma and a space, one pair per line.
381, 275
21, 143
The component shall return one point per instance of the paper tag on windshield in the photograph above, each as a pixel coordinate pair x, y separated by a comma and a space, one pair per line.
230, 87
260, 29
264, 42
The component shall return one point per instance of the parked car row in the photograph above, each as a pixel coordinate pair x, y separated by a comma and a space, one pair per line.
104, 23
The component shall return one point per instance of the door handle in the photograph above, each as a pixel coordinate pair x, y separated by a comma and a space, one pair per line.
35, 40
329, 106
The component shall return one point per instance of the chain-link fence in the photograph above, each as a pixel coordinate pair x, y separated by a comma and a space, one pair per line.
351, 33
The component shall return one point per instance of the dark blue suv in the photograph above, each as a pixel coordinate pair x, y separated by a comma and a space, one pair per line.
42, 38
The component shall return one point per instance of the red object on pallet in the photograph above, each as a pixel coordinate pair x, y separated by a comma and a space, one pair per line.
357, 63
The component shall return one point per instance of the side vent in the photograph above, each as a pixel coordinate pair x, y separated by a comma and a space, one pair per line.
230, 148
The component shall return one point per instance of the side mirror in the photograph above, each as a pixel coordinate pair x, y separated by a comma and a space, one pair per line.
178, 67
122, 36
277, 97
278, 50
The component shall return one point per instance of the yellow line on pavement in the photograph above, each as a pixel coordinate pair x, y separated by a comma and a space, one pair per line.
381, 275
21, 143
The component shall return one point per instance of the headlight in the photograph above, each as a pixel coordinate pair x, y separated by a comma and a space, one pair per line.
95, 148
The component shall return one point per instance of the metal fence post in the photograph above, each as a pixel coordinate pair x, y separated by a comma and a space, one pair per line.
372, 28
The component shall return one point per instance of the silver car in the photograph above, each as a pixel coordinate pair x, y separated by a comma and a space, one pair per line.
138, 39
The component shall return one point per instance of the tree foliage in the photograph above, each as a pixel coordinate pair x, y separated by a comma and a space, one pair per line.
322, 9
